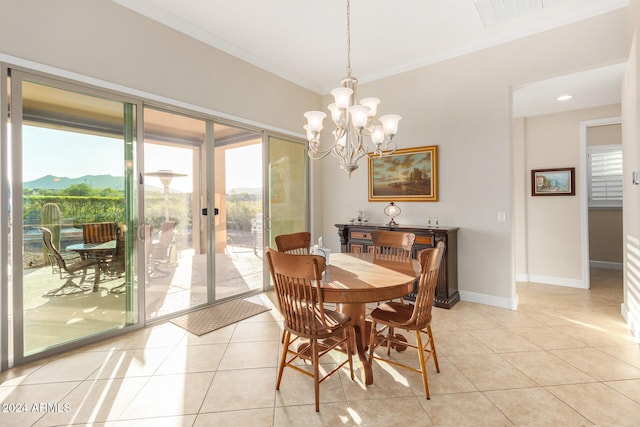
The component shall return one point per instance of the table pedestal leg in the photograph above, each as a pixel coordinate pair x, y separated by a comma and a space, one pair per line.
362, 327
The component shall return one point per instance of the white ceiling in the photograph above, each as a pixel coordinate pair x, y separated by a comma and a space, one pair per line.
304, 41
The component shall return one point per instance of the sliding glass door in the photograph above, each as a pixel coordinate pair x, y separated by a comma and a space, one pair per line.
109, 230
73, 213
288, 195
175, 227
239, 224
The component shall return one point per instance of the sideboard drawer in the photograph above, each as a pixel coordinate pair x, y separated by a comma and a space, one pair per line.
425, 240
361, 235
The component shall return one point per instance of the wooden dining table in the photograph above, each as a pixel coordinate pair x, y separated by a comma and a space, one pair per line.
352, 280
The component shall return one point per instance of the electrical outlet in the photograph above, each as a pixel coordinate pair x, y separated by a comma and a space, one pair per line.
502, 216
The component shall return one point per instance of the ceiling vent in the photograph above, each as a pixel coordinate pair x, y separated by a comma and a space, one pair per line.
493, 12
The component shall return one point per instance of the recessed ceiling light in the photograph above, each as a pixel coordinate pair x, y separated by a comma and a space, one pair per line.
564, 97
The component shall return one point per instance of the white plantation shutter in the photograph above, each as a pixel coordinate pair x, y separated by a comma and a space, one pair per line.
605, 176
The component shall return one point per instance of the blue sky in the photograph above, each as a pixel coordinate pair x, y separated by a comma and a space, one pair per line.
67, 154
70, 154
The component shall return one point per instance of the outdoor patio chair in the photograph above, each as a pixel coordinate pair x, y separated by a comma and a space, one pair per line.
160, 251
99, 232
69, 272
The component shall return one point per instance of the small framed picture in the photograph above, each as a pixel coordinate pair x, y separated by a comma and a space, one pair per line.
553, 182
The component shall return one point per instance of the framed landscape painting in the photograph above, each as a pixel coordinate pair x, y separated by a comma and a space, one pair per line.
407, 175
553, 182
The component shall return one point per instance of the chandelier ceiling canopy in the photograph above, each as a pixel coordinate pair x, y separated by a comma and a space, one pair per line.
356, 133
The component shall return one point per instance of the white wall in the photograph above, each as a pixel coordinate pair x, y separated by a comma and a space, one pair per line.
463, 106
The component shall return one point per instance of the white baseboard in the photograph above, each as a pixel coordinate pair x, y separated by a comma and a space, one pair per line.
632, 324
511, 304
550, 280
607, 265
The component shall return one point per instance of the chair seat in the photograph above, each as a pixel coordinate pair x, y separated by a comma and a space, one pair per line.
396, 314
72, 268
333, 319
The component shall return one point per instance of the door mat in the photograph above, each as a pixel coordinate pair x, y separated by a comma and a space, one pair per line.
209, 319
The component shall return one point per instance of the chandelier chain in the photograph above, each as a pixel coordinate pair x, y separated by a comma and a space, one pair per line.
356, 133
348, 37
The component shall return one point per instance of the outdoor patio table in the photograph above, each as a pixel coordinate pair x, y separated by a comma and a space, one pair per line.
99, 251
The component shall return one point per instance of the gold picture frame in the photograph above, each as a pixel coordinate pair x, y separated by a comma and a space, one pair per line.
407, 175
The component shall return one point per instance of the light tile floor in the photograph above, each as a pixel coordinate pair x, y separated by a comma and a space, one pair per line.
564, 358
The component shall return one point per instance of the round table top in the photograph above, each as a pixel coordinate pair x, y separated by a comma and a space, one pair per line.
111, 244
359, 278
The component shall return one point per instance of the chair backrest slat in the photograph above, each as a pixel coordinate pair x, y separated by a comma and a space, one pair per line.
294, 243
99, 232
392, 245
47, 240
430, 260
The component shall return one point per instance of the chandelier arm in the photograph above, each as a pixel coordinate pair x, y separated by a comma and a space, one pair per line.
317, 154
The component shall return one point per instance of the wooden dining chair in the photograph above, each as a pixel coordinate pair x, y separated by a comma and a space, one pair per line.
296, 280
417, 318
392, 245
69, 271
294, 243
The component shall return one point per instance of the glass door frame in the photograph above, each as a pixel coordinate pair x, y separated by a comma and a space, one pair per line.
12, 198
4, 224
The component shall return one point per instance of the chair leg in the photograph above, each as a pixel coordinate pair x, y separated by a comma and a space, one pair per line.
423, 367
283, 358
316, 372
390, 334
372, 339
69, 284
432, 345
350, 337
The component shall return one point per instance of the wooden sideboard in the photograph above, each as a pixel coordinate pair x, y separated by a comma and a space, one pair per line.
356, 237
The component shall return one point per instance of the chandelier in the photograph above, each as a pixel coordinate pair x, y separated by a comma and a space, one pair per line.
356, 130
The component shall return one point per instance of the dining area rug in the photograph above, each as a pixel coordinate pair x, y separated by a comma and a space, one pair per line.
209, 319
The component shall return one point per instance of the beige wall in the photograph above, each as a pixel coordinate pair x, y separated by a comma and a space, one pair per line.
605, 238
554, 225
103, 40
463, 106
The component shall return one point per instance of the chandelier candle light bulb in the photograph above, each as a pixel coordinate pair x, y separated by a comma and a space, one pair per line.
354, 122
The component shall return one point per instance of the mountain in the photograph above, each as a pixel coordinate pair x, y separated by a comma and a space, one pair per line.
50, 182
